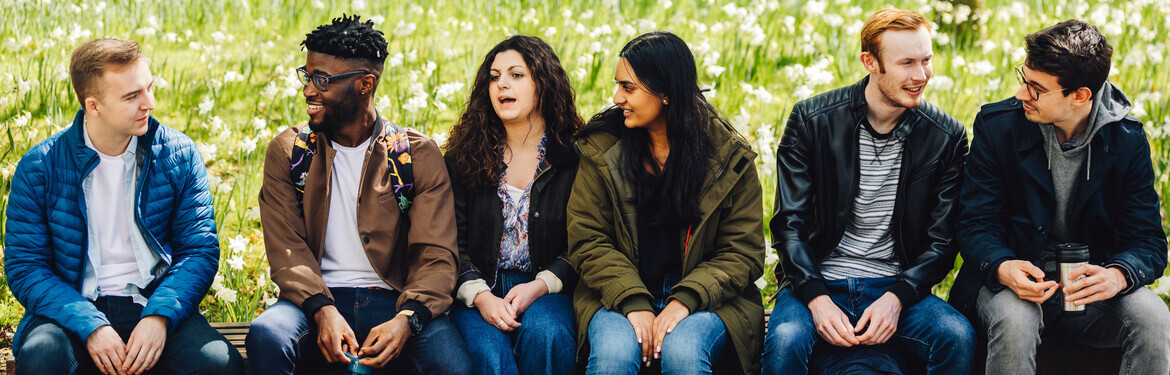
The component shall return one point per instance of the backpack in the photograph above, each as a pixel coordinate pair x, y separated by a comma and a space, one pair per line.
397, 158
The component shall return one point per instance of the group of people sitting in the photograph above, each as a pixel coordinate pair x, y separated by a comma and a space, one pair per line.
535, 242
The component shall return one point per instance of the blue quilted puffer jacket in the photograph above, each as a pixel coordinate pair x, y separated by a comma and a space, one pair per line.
45, 244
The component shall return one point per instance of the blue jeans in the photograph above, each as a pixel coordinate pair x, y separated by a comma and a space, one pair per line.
930, 329
192, 347
282, 338
693, 347
544, 343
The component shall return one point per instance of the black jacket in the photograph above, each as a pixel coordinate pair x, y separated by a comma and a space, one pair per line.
1008, 199
480, 221
818, 174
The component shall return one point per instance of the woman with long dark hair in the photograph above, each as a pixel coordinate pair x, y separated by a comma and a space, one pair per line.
512, 167
665, 225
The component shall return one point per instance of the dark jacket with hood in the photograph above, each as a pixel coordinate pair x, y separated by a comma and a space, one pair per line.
1009, 197
721, 262
818, 170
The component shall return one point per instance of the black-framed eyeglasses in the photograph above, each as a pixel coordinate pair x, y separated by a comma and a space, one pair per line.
322, 82
1033, 91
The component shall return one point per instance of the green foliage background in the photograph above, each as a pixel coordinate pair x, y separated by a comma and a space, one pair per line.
224, 71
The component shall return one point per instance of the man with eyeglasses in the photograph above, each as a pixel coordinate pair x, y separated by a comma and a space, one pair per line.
365, 272
1062, 162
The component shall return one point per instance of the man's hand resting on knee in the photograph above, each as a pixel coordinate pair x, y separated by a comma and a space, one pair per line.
107, 350
145, 345
832, 324
1014, 275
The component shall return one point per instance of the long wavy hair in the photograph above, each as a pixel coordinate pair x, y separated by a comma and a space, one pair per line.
664, 64
475, 141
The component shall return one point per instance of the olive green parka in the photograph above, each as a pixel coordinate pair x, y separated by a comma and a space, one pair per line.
721, 262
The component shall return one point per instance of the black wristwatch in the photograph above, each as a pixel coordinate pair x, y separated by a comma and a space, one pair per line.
412, 321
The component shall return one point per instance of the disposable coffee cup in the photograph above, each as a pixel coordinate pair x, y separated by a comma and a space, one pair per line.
1070, 256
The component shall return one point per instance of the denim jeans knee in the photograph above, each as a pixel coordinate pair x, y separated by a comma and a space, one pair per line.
1013, 331
47, 349
545, 342
791, 335
489, 348
278, 338
613, 346
695, 344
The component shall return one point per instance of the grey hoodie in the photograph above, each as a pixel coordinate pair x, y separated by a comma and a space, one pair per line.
1110, 105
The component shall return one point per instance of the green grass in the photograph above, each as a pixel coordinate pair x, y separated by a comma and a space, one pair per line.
236, 65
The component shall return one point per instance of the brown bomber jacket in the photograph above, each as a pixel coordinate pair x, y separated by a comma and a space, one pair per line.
424, 270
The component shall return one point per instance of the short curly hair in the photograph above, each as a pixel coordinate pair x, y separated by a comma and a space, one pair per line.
348, 37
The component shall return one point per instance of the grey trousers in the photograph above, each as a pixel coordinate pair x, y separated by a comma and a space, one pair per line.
1138, 322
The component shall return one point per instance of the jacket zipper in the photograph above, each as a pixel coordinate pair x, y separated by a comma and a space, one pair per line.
718, 174
722, 169
85, 219
852, 187
142, 173
899, 202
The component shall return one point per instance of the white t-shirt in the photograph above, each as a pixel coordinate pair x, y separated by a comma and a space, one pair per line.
514, 192
344, 262
110, 217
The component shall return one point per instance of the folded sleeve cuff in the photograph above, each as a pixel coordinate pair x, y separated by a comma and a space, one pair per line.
990, 271
905, 293
550, 279
563, 270
468, 290
468, 274
314, 303
1131, 283
420, 310
635, 303
813, 289
688, 297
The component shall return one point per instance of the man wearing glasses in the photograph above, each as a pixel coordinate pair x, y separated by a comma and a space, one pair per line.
364, 271
1062, 162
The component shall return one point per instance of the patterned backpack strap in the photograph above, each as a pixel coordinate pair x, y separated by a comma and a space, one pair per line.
400, 164
303, 150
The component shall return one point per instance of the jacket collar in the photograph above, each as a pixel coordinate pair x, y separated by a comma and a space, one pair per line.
557, 155
860, 108
1030, 151
376, 131
728, 157
75, 139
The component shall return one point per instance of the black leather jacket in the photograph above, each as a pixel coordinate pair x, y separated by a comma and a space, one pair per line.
817, 169
480, 222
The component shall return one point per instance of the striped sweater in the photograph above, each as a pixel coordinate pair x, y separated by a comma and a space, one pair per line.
867, 248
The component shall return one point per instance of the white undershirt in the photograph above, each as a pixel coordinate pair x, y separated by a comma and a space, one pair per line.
344, 262
514, 192
110, 219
